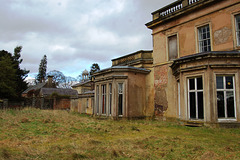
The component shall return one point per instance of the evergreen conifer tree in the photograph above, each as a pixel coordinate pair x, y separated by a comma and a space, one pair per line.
42, 71
12, 77
94, 68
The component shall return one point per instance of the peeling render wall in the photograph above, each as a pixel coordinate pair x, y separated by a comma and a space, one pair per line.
219, 17
136, 94
160, 84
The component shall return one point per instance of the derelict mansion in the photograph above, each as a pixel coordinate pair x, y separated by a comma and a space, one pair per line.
192, 73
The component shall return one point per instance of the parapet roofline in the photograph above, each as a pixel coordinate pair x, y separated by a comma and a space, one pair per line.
176, 9
140, 51
122, 69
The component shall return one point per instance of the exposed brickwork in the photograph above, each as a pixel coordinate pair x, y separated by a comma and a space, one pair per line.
61, 104
161, 75
160, 83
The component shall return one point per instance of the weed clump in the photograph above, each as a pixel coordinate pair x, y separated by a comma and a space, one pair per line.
5, 154
114, 153
135, 129
24, 120
76, 156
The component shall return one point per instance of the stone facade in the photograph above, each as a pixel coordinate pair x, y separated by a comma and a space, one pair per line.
46, 96
126, 89
85, 100
204, 37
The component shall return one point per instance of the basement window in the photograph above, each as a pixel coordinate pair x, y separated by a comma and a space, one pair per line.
195, 98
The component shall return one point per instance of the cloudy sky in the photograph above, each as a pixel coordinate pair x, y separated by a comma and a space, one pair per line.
75, 33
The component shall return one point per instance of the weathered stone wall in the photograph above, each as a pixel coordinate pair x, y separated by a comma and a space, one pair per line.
149, 107
74, 105
62, 104
219, 17
136, 94
160, 84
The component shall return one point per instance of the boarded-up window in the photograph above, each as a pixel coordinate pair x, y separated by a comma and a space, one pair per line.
238, 29
172, 47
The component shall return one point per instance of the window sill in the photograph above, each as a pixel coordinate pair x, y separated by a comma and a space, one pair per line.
237, 47
196, 120
227, 120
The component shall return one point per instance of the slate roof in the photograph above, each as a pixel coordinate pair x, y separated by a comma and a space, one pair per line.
89, 92
82, 83
60, 91
35, 87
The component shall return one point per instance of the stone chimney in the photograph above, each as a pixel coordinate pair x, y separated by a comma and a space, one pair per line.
50, 82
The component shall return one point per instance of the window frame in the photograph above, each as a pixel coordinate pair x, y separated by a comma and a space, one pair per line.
97, 99
110, 98
179, 99
168, 36
120, 93
103, 99
237, 29
200, 49
225, 97
196, 91
87, 103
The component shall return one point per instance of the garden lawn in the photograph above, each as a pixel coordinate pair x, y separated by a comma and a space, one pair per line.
47, 134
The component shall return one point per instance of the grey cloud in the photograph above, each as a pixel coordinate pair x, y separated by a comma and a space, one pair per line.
75, 34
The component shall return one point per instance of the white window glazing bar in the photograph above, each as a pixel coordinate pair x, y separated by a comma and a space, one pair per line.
196, 91
225, 90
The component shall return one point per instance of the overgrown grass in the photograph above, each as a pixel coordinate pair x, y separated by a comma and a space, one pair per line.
42, 134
